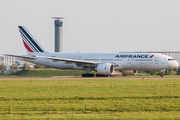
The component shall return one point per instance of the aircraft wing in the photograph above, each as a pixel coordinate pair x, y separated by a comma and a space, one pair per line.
55, 59
25, 57
82, 63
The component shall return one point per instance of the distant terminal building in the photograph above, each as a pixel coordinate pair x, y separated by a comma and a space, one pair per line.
8, 61
58, 41
174, 54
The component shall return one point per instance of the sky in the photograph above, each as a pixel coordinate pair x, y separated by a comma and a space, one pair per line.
101, 26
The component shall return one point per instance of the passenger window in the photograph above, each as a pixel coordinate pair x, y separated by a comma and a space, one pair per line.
170, 59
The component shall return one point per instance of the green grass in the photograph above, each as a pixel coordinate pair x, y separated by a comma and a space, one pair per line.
97, 116
90, 99
49, 73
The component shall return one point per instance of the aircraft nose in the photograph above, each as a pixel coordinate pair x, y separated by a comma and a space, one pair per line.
177, 65
174, 64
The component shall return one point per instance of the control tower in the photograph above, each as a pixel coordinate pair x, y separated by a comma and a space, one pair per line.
58, 42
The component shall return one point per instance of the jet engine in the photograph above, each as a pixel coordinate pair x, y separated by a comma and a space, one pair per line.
129, 72
105, 68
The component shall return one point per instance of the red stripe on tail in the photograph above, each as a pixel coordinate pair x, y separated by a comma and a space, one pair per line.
27, 47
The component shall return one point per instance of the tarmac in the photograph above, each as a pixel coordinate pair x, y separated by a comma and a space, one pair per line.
78, 77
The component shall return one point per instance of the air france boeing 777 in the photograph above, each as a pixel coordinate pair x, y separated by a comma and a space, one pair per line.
103, 63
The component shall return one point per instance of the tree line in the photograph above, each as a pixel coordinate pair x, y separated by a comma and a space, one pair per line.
26, 67
14, 67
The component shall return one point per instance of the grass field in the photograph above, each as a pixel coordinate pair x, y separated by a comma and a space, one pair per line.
90, 99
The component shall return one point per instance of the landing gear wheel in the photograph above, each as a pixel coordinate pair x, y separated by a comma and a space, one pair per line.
99, 75
162, 74
87, 75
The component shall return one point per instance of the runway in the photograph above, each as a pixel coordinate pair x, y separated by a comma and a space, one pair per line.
75, 77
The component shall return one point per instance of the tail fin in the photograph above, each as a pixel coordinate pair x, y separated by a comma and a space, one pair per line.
29, 41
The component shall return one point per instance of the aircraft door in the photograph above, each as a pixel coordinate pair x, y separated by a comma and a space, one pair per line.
156, 61
130, 63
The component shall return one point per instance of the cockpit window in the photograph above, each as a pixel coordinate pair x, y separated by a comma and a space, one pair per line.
170, 59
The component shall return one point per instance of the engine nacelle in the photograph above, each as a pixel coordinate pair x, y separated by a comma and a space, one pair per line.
129, 72
105, 68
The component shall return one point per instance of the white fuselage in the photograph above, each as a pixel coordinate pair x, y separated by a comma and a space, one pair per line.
125, 61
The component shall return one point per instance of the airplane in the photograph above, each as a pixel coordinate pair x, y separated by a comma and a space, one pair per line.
104, 64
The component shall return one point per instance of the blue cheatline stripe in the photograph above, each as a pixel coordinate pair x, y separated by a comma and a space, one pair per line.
27, 42
34, 43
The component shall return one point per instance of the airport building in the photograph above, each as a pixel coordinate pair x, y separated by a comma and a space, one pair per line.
8, 61
58, 41
175, 55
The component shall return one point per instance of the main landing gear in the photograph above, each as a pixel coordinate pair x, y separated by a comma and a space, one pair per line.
88, 70
98, 75
162, 73
87, 75
92, 75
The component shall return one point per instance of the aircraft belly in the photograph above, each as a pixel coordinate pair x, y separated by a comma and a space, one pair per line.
62, 65
140, 66
59, 65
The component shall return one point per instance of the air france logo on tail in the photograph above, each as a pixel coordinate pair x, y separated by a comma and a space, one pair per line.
133, 56
29, 41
